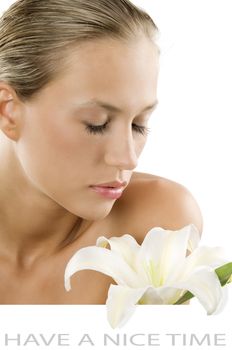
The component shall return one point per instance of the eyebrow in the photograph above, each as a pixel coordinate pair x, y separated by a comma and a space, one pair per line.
112, 108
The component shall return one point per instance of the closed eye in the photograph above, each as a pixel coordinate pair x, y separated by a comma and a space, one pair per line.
96, 129
101, 129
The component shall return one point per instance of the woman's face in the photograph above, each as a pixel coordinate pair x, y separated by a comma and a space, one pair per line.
87, 126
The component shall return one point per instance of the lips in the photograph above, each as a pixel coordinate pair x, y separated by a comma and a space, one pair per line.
114, 184
110, 190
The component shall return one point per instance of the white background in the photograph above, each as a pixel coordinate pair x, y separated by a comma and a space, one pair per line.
191, 138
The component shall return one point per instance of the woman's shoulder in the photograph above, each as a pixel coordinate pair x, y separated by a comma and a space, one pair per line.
154, 201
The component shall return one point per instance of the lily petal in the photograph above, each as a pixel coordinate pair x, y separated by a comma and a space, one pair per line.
122, 300
194, 238
126, 246
161, 252
121, 304
224, 300
102, 260
204, 284
203, 256
161, 295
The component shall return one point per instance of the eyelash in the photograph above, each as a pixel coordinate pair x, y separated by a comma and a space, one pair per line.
100, 129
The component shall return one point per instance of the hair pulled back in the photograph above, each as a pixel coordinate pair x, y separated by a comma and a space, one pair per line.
35, 35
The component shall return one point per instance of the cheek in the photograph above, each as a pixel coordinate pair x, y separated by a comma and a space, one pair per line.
140, 143
55, 150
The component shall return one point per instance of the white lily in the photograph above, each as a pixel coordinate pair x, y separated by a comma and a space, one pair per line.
155, 272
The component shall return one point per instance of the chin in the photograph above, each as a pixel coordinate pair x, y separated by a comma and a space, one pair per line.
94, 213
95, 216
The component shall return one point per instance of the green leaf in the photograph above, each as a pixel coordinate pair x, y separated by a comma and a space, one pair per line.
188, 295
224, 274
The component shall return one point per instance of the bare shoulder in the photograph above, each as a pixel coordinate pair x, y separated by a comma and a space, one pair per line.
153, 201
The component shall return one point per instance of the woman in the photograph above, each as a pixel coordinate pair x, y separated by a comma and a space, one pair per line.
77, 87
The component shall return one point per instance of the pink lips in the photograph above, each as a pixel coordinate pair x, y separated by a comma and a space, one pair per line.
110, 190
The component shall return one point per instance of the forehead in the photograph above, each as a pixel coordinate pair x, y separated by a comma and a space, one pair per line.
110, 70
109, 54
112, 57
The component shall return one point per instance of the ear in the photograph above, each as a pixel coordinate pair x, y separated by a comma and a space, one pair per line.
10, 112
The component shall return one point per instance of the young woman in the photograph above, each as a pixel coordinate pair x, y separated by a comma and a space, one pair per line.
78, 85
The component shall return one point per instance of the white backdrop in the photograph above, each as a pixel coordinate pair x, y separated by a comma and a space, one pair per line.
191, 138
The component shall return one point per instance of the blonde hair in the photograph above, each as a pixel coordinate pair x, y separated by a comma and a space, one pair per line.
35, 35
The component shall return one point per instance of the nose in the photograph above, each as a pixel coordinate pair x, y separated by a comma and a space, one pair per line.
121, 153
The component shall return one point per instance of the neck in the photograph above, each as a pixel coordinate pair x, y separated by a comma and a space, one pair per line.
31, 224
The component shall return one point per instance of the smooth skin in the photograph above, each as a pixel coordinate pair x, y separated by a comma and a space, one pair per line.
49, 158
